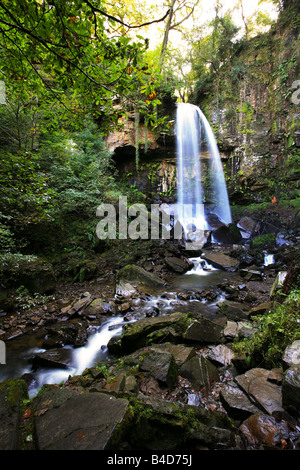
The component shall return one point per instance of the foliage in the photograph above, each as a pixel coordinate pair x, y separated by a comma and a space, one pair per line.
25, 196
64, 52
26, 301
275, 331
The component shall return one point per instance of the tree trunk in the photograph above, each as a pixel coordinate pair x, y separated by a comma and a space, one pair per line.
166, 34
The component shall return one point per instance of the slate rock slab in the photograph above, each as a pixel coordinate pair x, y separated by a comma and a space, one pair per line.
221, 261
70, 420
53, 358
236, 402
261, 391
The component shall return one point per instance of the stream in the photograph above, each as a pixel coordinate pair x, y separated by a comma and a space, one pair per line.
201, 277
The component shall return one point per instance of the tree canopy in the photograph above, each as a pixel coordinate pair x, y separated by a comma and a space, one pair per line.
65, 50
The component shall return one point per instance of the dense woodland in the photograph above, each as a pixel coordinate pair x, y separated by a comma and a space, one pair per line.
72, 72
66, 65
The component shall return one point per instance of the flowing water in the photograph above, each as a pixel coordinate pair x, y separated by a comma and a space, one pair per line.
268, 259
199, 187
21, 350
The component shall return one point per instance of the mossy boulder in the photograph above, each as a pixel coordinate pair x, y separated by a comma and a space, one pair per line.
33, 273
140, 333
137, 276
157, 424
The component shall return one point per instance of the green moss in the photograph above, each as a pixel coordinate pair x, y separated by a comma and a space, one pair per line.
274, 333
16, 390
263, 241
163, 425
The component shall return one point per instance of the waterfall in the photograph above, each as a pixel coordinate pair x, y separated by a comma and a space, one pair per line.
201, 189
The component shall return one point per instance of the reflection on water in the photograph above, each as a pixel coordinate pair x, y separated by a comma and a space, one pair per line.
201, 276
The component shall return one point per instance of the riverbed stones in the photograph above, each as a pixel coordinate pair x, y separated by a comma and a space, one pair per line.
97, 307
79, 305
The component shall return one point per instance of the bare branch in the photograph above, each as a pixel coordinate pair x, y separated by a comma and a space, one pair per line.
113, 18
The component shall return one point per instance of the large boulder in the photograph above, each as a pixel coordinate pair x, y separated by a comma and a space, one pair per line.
178, 265
161, 365
200, 372
131, 277
261, 431
203, 331
291, 390
33, 273
141, 333
66, 419
291, 355
53, 358
227, 235
234, 311
221, 261
262, 391
60, 334
247, 226
163, 425
236, 402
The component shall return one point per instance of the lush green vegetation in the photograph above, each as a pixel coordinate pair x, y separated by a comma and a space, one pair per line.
72, 69
275, 331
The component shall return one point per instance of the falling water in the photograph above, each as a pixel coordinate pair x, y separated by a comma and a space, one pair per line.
192, 130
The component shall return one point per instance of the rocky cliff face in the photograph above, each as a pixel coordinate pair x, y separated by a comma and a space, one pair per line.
258, 119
